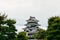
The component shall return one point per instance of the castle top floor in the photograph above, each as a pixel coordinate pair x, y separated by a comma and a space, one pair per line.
32, 19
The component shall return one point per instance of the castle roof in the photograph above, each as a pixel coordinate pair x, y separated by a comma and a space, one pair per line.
32, 19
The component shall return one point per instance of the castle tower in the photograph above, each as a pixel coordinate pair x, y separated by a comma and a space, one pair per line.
31, 26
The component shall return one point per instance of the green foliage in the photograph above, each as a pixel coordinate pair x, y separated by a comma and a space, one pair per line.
22, 36
7, 28
53, 31
41, 34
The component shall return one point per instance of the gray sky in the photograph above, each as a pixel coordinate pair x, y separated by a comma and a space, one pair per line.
21, 10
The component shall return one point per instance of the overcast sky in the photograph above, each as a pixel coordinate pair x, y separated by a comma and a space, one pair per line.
21, 10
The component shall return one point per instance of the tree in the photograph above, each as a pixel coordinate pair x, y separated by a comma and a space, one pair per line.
22, 36
7, 28
41, 34
11, 30
53, 31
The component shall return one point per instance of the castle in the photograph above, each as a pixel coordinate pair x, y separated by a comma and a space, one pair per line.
31, 26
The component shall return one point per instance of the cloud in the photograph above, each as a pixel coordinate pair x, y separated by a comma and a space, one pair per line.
20, 28
20, 10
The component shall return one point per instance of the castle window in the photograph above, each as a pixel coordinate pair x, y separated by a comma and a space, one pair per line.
30, 29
